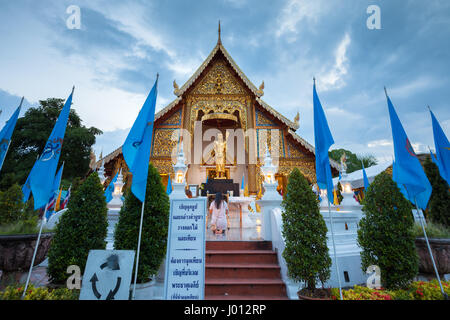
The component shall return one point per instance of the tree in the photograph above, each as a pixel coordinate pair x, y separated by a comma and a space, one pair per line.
305, 233
154, 227
81, 228
439, 204
386, 233
353, 160
11, 205
31, 134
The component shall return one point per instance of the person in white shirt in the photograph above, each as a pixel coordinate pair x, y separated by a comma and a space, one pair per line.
219, 211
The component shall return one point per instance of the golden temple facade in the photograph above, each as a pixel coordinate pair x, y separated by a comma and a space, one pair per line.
218, 98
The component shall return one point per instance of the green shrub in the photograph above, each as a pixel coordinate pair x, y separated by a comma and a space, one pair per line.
433, 230
385, 233
154, 228
40, 293
81, 228
305, 233
11, 205
439, 204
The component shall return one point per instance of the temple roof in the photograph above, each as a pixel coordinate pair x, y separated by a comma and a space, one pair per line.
310, 148
257, 92
292, 126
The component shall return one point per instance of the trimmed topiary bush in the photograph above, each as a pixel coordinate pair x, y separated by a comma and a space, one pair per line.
81, 228
154, 227
305, 233
439, 204
386, 233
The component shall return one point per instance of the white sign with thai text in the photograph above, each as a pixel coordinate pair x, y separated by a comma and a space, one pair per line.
185, 259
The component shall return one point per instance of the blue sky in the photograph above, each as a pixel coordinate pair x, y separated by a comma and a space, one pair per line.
113, 60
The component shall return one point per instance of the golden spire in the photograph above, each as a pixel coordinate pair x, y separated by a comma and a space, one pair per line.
297, 118
219, 41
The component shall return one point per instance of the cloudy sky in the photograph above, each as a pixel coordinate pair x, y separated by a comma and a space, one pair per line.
113, 60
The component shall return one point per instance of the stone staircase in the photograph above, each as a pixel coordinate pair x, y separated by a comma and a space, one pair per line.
242, 270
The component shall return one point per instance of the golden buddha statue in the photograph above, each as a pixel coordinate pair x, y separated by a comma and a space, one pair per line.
220, 152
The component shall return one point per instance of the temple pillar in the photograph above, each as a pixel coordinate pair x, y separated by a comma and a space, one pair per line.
252, 188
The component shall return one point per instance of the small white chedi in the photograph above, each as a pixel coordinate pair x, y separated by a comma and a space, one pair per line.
180, 169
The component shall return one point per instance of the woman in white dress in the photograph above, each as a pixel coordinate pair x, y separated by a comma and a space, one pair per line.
219, 211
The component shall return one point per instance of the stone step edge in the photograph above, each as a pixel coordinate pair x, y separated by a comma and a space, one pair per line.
240, 252
242, 266
244, 297
237, 281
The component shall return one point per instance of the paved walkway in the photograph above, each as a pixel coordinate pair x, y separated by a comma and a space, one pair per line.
236, 233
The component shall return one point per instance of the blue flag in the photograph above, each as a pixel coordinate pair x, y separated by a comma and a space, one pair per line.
57, 180
110, 188
366, 180
6, 133
407, 170
45, 167
26, 190
436, 162
55, 193
323, 140
136, 149
169, 186
442, 149
243, 183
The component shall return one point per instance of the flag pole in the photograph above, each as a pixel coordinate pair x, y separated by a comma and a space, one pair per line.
133, 296
334, 249
429, 250
138, 251
35, 251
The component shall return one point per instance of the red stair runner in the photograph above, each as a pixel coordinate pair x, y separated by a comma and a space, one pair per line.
242, 270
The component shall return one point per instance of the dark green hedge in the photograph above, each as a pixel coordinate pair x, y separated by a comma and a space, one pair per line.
305, 233
154, 229
386, 233
81, 228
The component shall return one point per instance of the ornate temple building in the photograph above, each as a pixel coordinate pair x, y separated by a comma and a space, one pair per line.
219, 99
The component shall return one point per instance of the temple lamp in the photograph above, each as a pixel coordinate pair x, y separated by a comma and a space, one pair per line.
180, 167
269, 169
118, 185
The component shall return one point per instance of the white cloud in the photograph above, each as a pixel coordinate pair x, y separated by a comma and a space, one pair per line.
185, 67
132, 19
296, 11
419, 84
379, 143
333, 79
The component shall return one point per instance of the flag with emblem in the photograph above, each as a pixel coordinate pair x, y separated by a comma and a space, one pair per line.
136, 149
45, 166
407, 170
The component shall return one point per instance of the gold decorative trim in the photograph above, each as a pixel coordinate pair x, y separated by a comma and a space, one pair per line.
219, 116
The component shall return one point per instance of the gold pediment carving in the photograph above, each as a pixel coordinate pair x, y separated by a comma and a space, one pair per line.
219, 80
